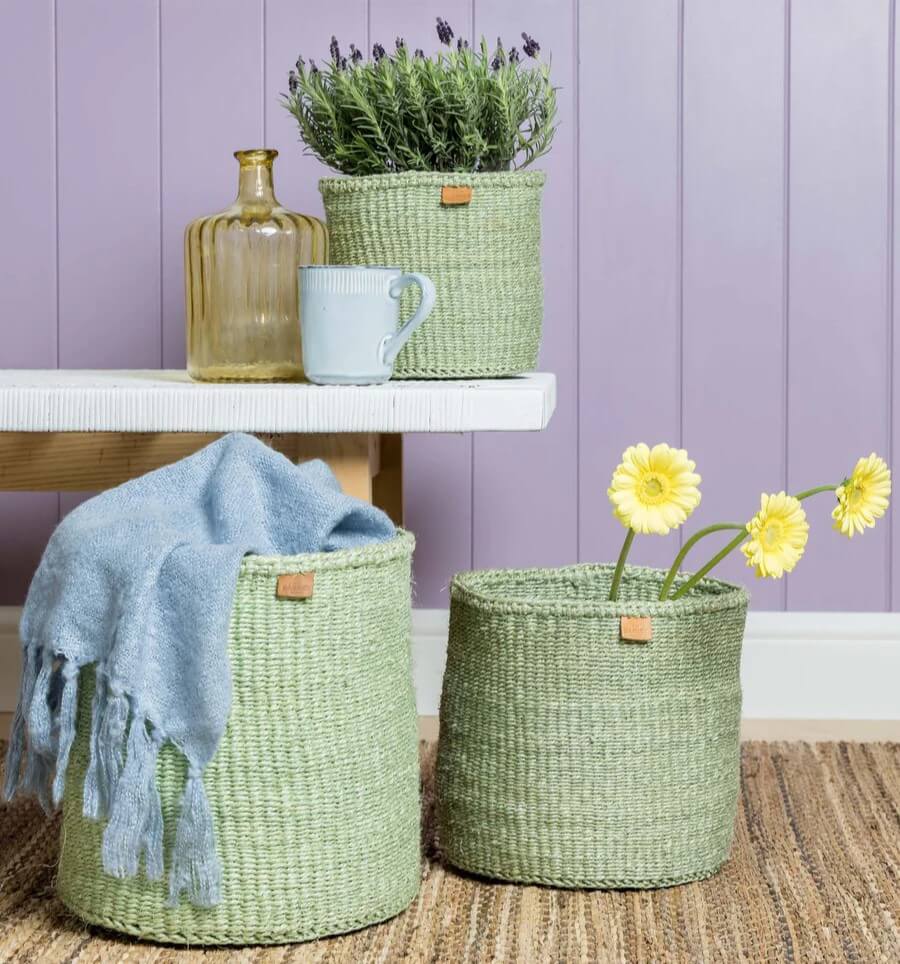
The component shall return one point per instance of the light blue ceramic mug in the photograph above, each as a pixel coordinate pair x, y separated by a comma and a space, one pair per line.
349, 317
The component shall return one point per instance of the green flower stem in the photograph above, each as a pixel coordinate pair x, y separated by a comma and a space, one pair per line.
620, 566
816, 491
716, 559
686, 548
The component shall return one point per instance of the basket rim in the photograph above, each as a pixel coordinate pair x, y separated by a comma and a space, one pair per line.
374, 553
710, 595
392, 182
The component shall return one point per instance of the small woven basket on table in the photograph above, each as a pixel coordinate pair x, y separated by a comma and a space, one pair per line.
570, 757
484, 258
315, 786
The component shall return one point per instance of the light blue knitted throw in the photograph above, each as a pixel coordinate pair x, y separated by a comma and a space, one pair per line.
139, 582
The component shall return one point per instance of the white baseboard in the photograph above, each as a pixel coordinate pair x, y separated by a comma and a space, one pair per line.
796, 666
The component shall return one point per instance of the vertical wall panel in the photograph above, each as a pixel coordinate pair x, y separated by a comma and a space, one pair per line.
733, 268
211, 105
416, 22
837, 384
27, 253
293, 28
109, 193
525, 506
28, 187
629, 256
109, 189
894, 415
437, 468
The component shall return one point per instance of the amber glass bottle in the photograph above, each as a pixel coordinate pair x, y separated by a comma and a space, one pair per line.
240, 271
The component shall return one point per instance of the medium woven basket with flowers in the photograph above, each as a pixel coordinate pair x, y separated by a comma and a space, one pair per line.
590, 716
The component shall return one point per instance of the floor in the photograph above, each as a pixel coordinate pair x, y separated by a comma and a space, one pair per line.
812, 877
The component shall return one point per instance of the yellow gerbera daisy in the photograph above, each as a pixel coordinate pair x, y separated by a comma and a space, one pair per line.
863, 497
654, 490
778, 534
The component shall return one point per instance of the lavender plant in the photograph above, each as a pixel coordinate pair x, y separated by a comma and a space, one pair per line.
464, 109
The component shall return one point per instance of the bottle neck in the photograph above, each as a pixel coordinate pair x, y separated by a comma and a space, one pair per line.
255, 184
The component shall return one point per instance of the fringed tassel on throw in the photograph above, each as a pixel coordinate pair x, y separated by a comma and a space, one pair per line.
68, 710
195, 863
111, 745
135, 818
40, 714
153, 835
30, 660
37, 777
41, 733
95, 795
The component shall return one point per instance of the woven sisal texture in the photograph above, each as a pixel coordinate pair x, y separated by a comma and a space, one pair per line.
483, 257
315, 786
813, 877
570, 757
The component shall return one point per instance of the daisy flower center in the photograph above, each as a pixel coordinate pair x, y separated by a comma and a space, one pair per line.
654, 489
855, 494
771, 535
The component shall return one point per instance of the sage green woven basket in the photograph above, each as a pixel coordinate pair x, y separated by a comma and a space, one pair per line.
484, 258
315, 787
569, 757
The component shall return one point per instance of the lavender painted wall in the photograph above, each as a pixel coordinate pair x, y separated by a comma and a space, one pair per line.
720, 248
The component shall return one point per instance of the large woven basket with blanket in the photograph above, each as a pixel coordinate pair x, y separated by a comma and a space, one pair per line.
314, 788
576, 751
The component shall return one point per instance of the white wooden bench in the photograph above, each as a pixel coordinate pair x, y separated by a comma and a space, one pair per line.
86, 430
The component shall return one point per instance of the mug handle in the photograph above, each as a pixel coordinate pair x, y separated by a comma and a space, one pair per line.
391, 344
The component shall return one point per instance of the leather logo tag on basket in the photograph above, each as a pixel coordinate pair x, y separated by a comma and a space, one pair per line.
295, 585
636, 629
451, 195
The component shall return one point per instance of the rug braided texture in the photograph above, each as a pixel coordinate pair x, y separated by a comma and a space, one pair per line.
814, 876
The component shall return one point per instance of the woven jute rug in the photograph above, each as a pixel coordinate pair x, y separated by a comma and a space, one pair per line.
814, 876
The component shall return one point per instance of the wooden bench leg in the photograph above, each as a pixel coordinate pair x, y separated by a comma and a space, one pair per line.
387, 485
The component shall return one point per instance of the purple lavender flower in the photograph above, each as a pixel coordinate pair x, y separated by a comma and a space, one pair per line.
513, 55
293, 83
499, 56
444, 31
356, 55
419, 54
531, 47
335, 50
399, 42
462, 45
378, 52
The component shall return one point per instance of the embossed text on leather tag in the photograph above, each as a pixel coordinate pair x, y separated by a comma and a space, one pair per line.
636, 629
295, 585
